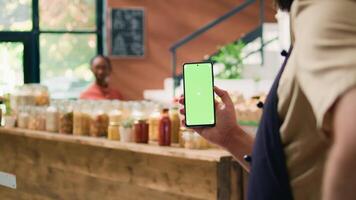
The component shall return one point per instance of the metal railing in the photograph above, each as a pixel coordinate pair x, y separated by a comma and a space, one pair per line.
252, 35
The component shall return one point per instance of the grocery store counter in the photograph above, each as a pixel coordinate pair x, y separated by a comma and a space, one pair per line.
58, 166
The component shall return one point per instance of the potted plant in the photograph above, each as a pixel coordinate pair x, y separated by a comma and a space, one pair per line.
230, 57
9, 117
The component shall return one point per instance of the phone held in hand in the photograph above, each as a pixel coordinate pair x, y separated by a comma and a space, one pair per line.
198, 81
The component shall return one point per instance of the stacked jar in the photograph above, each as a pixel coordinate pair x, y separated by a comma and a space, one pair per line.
141, 131
99, 121
65, 117
23, 117
81, 118
153, 121
52, 117
114, 124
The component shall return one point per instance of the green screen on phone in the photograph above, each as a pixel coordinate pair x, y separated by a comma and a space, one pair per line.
199, 94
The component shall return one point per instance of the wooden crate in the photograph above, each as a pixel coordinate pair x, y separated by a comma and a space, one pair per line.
56, 166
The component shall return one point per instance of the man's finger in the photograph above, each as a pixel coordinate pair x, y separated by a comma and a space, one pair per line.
224, 95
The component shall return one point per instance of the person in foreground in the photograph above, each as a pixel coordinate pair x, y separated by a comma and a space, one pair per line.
101, 68
305, 147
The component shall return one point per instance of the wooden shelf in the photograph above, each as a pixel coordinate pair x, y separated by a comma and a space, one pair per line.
212, 155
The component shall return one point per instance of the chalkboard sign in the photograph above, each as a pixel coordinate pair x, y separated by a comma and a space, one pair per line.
127, 32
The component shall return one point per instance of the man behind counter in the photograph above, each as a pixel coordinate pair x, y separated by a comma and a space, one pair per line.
101, 68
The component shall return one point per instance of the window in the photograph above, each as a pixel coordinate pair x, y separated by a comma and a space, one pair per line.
58, 38
11, 62
15, 15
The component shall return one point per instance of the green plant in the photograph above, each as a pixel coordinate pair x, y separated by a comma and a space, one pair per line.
230, 57
128, 123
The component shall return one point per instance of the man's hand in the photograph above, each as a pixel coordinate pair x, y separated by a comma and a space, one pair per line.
340, 175
226, 123
226, 132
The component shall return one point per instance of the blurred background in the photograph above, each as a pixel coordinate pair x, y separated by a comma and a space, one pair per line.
52, 42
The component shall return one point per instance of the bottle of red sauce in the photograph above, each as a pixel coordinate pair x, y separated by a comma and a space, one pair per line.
165, 126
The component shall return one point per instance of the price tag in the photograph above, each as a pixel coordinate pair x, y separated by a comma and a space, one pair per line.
8, 180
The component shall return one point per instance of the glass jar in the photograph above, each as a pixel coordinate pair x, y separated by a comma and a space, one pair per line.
52, 118
126, 110
114, 131
165, 127
200, 142
32, 118
141, 131
99, 122
137, 112
153, 124
81, 118
40, 123
174, 116
181, 133
23, 117
193, 140
188, 138
126, 131
41, 95
65, 118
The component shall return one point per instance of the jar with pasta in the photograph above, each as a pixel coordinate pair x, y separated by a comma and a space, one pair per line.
65, 118
81, 118
52, 117
40, 122
32, 118
99, 122
23, 117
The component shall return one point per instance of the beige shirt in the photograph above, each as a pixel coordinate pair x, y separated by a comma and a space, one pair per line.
321, 68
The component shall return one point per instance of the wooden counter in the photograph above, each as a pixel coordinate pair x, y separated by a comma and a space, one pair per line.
57, 166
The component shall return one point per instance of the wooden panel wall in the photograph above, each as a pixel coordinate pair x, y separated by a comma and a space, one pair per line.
167, 21
59, 170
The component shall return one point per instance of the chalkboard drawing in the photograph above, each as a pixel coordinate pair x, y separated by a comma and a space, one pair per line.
120, 45
127, 34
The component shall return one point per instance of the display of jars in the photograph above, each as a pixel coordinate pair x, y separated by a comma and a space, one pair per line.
114, 123
23, 117
52, 118
165, 127
37, 120
98, 123
41, 95
65, 124
141, 131
153, 121
81, 118
126, 131
193, 140
175, 119
115, 116
114, 131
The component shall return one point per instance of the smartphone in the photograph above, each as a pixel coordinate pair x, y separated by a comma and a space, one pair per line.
198, 82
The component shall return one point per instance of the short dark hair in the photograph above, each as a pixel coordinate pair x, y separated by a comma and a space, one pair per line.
107, 60
284, 4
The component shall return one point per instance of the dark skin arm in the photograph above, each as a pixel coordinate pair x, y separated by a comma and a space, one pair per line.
226, 133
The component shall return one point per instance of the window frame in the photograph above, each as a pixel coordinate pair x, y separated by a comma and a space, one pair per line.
31, 40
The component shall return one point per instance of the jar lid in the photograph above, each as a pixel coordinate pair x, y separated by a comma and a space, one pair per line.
114, 124
140, 121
